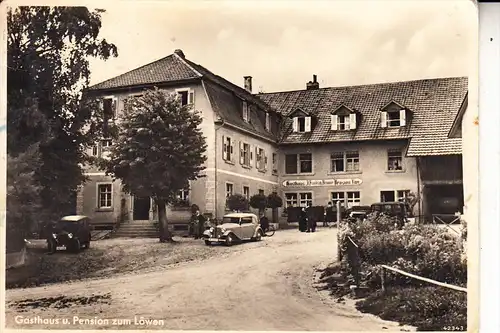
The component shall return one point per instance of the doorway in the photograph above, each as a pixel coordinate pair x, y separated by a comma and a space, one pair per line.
142, 206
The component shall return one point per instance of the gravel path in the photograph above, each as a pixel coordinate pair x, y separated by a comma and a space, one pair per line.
253, 286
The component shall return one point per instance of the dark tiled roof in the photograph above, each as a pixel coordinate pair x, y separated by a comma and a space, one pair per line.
167, 69
229, 107
434, 104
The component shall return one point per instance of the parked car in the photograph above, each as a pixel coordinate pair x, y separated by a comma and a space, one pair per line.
393, 209
234, 227
73, 232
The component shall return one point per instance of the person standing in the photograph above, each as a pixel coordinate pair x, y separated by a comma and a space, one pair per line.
302, 220
200, 219
329, 215
311, 219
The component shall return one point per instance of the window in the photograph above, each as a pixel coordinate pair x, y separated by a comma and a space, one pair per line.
104, 195
95, 149
305, 199
301, 124
291, 164
344, 161
275, 163
227, 149
183, 195
261, 159
353, 199
395, 160
106, 143
109, 107
261, 192
246, 113
186, 96
343, 123
291, 200
391, 196
338, 196
245, 154
301, 163
246, 192
387, 196
229, 189
268, 122
393, 118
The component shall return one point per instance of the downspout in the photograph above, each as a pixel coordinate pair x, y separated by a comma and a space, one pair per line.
418, 189
215, 167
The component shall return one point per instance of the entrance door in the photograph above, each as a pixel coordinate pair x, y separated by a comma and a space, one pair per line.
141, 208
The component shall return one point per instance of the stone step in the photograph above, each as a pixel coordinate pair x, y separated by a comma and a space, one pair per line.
136, 234
136, 227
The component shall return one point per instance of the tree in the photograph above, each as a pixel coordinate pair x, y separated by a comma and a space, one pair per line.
47, 63
258, 201
274, 202
237, 202
23, 197
158, 149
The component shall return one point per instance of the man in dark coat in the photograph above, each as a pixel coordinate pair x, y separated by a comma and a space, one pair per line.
302, 220
329, 215
311, 219
264, 222
200, 219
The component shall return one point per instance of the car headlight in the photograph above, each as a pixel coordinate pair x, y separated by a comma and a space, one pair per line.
212, 229
54, 236
222, 230
70, 235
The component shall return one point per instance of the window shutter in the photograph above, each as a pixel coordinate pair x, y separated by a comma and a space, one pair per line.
295, 124
191, 97
224, 148
265, 160
352, 121
334, 118
308, 124
231, 151
257, 157
383, 119
114, 107
251, 155
242, 155
402, 117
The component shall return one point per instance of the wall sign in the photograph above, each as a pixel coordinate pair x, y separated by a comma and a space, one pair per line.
322, 182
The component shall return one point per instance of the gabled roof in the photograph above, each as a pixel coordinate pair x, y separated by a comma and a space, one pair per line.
170, 68
385, 107
224, 96
342, 106
298, 111
434, 102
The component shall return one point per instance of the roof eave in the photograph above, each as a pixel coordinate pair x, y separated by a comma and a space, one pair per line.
452, 133
142, 86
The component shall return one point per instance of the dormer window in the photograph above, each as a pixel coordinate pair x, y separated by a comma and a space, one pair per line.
393, 115
246, 113
343, 119
302, 124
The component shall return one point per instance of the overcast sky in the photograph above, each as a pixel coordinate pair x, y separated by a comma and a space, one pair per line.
281, 44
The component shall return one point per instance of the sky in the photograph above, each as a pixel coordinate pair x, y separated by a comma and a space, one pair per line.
281, 44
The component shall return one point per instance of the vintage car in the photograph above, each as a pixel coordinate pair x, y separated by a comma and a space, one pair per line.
235, 227
72, 232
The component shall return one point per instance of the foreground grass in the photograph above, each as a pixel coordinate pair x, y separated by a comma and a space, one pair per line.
106, 258
427, 308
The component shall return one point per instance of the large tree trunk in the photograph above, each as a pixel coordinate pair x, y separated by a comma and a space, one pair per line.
165, 234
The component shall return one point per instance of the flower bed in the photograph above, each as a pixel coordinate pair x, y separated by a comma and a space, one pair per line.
424, 250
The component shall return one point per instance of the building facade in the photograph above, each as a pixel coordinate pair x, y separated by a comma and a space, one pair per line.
358, 144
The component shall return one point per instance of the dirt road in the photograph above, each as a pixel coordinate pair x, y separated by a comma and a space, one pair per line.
260, 286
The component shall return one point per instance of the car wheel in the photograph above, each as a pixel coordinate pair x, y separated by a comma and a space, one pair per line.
87, 245
258, 238
229, 240
208, 243
51, 246
76, 246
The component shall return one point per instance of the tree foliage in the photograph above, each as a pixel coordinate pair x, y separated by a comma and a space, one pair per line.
48, 55
237, 202
274, 201
158, 149
258, 201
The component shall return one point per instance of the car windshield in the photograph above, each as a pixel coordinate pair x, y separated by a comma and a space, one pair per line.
227, 219
66, 226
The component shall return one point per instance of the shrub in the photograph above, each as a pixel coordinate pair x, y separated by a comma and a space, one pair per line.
274, 201
258, 201
237, 202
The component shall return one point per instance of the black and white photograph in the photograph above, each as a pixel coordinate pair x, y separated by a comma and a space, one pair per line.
240, 165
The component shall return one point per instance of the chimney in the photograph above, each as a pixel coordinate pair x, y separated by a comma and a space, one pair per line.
248, 83
180, 53
311, 85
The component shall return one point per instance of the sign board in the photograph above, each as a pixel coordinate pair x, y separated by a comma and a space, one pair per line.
322, 182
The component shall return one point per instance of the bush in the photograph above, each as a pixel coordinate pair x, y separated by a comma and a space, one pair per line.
274, 201
237, 202
258, 201
427, 308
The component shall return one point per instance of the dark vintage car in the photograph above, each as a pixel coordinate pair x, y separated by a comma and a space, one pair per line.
393, 209
73, 232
